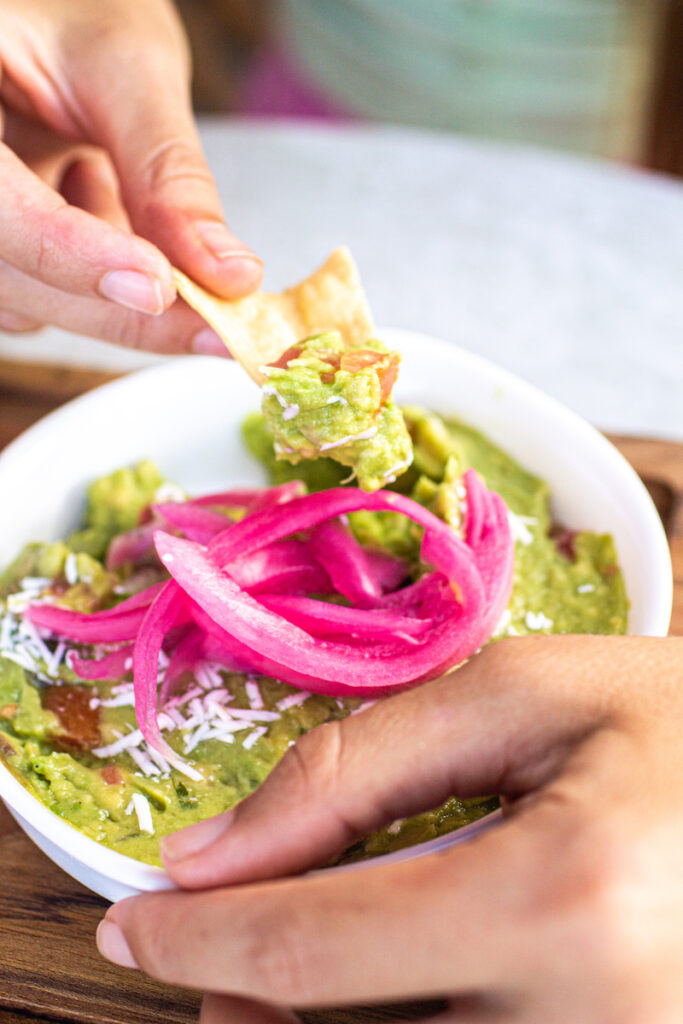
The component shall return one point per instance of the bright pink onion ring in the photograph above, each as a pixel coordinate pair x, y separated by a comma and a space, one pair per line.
286, 566
331, 668
113, 666
132, 546
168, 610
95, 628
196, 523
345, 561
337, 668
253, 498
108, 626
331, 621
230, 591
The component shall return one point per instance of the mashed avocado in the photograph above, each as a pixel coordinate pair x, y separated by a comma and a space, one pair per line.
76, 746
323, 397
113, 505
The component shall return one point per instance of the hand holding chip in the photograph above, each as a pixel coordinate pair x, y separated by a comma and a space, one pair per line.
102, 177
258, 329
569, 911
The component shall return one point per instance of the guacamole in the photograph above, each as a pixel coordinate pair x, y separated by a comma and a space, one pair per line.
323, 397
76, 746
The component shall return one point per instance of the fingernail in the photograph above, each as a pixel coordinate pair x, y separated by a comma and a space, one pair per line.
221, 243
189, 841
134, 290
207, 343
112, 945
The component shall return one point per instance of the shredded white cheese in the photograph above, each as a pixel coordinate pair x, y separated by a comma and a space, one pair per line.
56, 659
364, 436
169, 491
253, 692
120, 700
396, 470
253, 737
132, 739
254, 716
159, 759
292, 700
537, 620
143, 761
503, 623
71, 569
519, 528
291, 409
144, 813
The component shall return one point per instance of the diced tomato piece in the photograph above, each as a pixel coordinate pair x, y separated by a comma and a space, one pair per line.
80, 721
565, 541
359, 359
293, 352
385, 367
387, 378
112, 775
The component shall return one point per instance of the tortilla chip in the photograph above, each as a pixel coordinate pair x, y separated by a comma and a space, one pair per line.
260, 327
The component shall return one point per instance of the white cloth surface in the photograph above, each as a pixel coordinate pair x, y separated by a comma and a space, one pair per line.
566, 271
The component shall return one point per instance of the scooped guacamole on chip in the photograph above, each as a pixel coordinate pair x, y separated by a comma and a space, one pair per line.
75, 742
323, 397
329, 393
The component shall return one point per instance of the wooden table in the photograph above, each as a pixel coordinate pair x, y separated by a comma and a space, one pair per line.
49, 966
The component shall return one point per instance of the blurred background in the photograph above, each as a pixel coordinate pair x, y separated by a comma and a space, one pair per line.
600, 77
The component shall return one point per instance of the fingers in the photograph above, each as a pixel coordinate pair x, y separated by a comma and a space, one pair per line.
85, 178
144, 120
71, 250
91, 185
232, 1010
180, 330
437, 924
494, 726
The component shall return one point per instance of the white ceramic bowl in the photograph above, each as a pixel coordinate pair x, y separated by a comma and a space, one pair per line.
185, 415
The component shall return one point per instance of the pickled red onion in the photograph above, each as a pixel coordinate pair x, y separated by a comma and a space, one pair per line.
246, 589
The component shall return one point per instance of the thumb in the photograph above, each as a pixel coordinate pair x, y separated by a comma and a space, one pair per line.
137, 101
501, 724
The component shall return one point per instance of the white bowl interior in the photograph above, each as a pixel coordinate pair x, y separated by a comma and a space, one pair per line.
185, 415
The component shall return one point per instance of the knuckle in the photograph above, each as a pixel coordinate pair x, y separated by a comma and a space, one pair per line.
129, 329
283, 958
316, 760
173, 161
150, 938
320, 767
596, 894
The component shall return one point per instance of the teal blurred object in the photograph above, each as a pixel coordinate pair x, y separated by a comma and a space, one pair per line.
570, 74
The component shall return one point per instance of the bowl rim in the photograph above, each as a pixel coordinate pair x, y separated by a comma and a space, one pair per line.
129, 872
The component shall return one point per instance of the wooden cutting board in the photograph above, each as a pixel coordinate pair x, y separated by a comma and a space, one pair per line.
49, 967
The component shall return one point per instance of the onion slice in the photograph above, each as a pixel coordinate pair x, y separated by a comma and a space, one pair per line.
345, 561
239, 594
112, 666
462, 612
